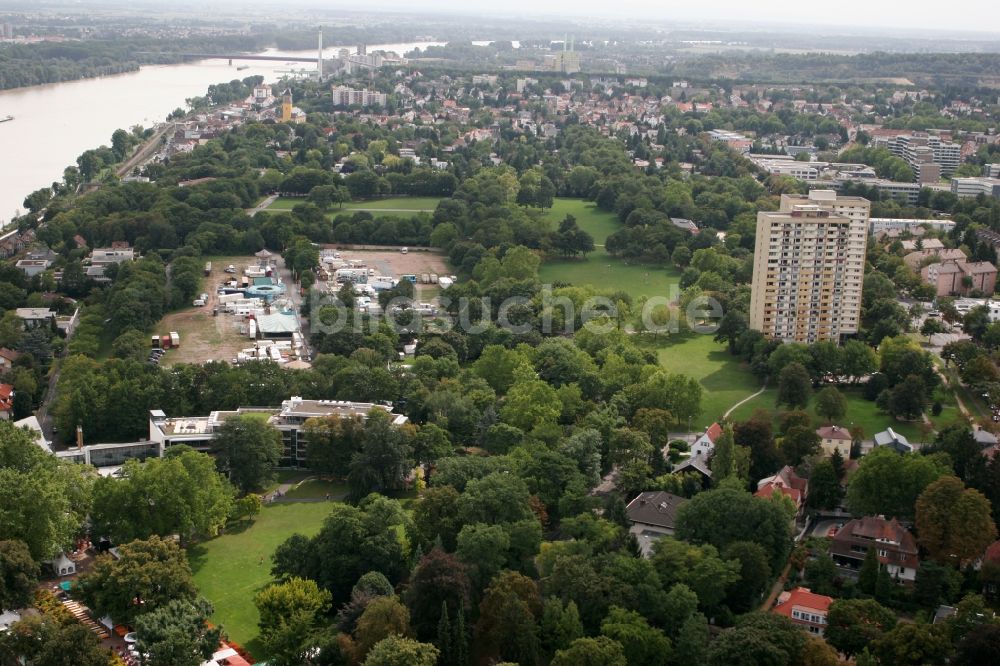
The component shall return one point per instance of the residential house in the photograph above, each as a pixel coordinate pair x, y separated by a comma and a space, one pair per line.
894, 440
834, 438
33, 267
804, 608
705, 444
685, 224
6, 401
36, 317
653, 515
788, 483
984, 438
111, 255
31, 424
895, 546
7, 358
699, 465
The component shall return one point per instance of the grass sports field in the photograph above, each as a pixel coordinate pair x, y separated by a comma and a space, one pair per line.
600, 269
401, 204
229, 569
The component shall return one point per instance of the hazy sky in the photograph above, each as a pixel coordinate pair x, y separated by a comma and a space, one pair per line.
974, 15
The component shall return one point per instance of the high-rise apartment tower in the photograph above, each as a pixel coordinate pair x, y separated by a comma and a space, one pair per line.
808, 271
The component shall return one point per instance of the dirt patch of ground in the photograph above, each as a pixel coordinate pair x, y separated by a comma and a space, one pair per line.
204, 337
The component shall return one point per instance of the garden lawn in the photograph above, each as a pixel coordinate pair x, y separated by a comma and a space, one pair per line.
600, 269
406, 204
724, 378
229, 572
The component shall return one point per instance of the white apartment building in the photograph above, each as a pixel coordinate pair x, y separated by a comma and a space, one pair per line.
877, 225
344, 96
809, 267
973, 187
919, 149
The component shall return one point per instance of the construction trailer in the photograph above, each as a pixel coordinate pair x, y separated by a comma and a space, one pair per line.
208, 268
175, 339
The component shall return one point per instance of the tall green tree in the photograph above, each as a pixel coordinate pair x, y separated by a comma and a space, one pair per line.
43, 501
18, 575
642, 643
247, 449
758, 639
889, 484
178, 633
725, 515
400, 651
43, 640
794, 386
853, 624
507, 629
439, 578
290, 613
180, 494
831, 404
148, 575
954, 523
913, 644
600, 651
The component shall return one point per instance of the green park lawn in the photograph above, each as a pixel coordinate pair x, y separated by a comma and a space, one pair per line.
317, 489
724, 378
600, 269
860, 412
408, 204
229, 572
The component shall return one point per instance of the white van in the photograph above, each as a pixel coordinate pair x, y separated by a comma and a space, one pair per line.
404, 250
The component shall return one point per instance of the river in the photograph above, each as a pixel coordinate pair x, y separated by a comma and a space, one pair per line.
54, 123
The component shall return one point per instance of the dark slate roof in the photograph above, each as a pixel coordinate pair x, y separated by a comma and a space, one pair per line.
655, 508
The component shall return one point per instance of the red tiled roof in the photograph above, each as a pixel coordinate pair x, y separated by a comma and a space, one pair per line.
803, 598
767, 491
6, 394
713, 432
992, 553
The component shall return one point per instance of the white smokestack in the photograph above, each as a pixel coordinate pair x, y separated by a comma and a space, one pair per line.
319, 56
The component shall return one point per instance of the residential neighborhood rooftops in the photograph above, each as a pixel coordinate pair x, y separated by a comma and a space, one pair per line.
697, 464
655, 508
893, 439
896, 546
801, 597
35, 313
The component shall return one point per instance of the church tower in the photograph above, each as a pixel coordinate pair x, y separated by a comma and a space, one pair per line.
286, 105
